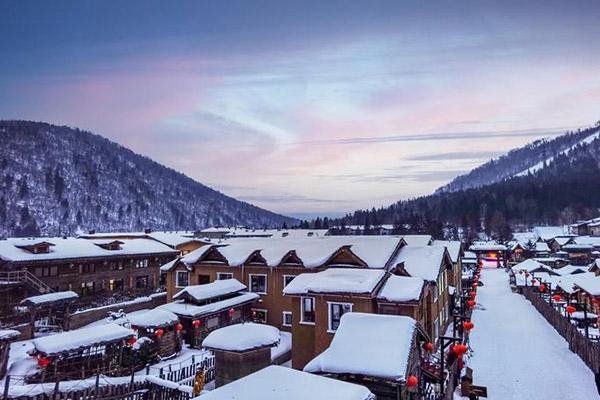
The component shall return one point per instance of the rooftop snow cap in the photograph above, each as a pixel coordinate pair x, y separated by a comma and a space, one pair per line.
218, 288
242, 337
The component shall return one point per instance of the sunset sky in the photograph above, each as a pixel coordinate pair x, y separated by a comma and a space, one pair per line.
306, 107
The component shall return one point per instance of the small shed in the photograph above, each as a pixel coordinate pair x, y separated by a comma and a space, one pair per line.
51, 311
277, 383
381, 352
241, 350
162, 327
7, 336
81, 353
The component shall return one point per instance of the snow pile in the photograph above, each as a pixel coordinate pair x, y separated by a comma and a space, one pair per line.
359, 347
336, 280
277, 383
152, 318
81, 338
8, 334
284, 345
211, 290
242, 337
50, 298
422, 261
401, 288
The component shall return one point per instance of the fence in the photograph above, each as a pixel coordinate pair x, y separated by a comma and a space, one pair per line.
588, 350
139, 386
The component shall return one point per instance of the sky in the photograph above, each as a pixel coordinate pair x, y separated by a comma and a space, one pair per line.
306, 107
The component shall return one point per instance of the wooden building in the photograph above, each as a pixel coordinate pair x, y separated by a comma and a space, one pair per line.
380, 352
7, 336
182, 241
204, 308
87, 267
579, 254
161, 330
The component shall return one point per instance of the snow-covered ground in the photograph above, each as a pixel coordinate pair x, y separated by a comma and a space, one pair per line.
517, 354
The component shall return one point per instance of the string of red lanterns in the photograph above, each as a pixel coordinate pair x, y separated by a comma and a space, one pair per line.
412, 381
468, 325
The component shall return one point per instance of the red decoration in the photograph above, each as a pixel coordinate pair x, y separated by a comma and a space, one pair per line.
43, 362
527, 275
521, 272
412, 381
556, 298
428, 347
230, 312
178, 327
542, 287
472, 294
594, 300
474, 285
159, 333
468, 325
459, 349
571, 309
533, 281
196, 323
471, 303
131, 341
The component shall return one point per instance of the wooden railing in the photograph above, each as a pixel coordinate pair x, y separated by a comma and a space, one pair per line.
26, 277
588, 350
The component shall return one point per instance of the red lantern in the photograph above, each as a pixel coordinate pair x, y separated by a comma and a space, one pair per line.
428, 347
472, 294
131, 341
571, 309
159, 333
43, 362
542, 287
196, 323
594, 300
520, 272
468, 325
474, 285
231, 312
412, 381
178, 327
533, 281
471, 303
459, 349
556, 298
527, 275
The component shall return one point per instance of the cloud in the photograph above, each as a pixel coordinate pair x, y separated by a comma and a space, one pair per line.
457, 155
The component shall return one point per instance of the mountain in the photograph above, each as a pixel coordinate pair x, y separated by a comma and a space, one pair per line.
546, 182
55, 180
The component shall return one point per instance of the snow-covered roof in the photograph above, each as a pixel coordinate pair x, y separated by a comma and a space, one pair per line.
541, 247
360, 348
68, 248
525, 237
587, 240
168, 266
487, 246
453, 247
570, 269
418, 240
550, 232
81, 338
469, 254
590, 285
152, 318
567, 282
401, 288
336, 280
8, 334
191, 310
174, 239
577, 246
242, 337
529, 265
50, 298
218, 288
277, 383
422, 261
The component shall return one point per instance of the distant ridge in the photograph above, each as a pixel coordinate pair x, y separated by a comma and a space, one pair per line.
55, 180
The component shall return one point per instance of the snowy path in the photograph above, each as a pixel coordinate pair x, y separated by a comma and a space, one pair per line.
517, 354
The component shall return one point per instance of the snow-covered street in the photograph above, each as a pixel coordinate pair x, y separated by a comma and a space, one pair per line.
517, 354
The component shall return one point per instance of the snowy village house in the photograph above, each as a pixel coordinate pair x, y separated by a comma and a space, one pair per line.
267, 266
36, 266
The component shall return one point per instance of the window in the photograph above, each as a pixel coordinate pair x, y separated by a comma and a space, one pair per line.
258, 284
182, 279
287, 318
336, 310
212, 322
87, 268
88, 288
224, 275
259, 316
307, 310
141, 282
46, 271
116, 284
141, 263
287, 279
203, 279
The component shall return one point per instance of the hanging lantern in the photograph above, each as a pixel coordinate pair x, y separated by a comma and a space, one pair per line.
428, 347
131, 341
472, 294
468, 325
521, 272
412, 381
196, 323
178, 327
459, 349
474, 285
533, 281
571, 309
556, 298
159, 333
471, 303
594, 300
527, 275
230, 312
542, 287
43, 362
